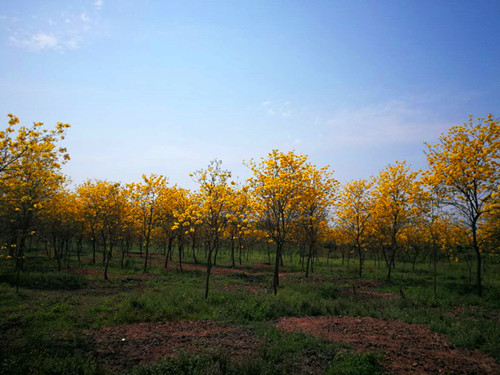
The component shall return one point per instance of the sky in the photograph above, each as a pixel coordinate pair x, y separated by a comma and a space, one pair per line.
166, 86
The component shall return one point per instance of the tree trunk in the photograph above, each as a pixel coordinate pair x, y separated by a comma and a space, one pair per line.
479, 261
94, 248
361, 260
268, 253
108, 258
276, 280
240, 248
309, 257
56, 254
209, 269
193, 247
147, 254
232, 251
180, 247
434, 251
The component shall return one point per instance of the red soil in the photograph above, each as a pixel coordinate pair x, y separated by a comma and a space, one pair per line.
406, 348
122, 347
93, 272
85, 271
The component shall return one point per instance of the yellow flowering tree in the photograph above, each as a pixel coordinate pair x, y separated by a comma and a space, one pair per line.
90, 209
318, 195
182, 213
61, 222
105, 210
146, 198
354, 212
279, 186
394, 193
30, 174
16, 143
238, 219
214, 196
464, 167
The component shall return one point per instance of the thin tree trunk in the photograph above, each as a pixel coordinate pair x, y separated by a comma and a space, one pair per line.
180, 247
108, 258
361, 260
94, 248
147, 254
232, 251
479, 261
193, 247
276, 280
311, 247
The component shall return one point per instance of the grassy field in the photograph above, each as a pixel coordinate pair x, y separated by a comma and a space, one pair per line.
55, 324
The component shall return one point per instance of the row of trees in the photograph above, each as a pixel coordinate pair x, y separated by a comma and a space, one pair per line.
399, 213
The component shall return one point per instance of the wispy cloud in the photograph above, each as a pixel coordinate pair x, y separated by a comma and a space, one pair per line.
57, 32
282, 109
36, 42
99, 4
383, 124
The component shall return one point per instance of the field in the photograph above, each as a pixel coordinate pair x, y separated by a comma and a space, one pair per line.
333, 322
249, 187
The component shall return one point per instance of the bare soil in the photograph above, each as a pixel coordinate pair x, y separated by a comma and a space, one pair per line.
406, 348
97, 272
121, 347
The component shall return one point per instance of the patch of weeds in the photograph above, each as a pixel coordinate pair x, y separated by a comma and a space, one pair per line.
352, 363
46, 281
473, 334
47, 364
292, 353
280, 354
328, 292
157, 306
45, 353
186, 364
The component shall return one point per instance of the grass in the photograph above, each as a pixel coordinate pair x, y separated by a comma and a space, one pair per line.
44, 326
280, 354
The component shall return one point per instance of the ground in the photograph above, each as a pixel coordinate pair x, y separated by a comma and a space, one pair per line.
122, 347
406, 348
74, 321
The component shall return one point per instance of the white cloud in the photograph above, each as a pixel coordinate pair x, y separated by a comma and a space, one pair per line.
58, 32
43, 42
85, 17
37, 42
99, 4
281, 109
387, 123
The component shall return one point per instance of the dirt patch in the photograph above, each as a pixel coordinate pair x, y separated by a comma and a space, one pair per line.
125, 276
406, 348
261, 266
217, 270
122, 347
85, 271
474, 313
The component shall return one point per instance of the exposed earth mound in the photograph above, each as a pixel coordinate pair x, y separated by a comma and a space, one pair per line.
406, 348
125, 346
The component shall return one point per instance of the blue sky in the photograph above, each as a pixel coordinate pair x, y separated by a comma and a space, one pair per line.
166, 86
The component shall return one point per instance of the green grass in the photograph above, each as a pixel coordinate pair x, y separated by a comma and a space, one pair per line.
44, 326
280, 354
